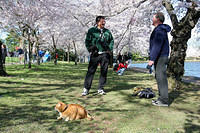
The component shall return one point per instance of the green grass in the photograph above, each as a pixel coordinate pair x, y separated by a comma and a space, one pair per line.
28, 98
12, 60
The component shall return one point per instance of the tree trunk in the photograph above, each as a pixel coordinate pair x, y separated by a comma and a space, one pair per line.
22, 45
37, 54
2, 70
29, 56
54, 46
181, 33
175, 69
75, 52
84, 59
177, 57
25, 56
68, 53
29, 51
37, 49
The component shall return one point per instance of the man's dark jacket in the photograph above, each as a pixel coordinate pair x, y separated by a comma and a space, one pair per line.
159, 43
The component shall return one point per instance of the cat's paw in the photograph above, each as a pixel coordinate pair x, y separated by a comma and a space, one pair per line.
59, 118
67, 119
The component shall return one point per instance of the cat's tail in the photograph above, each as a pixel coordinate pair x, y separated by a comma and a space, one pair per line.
89, 117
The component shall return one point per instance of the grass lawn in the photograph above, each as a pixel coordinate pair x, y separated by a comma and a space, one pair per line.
12, 60
28, 98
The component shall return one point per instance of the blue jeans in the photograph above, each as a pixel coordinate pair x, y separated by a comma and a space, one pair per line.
121, 71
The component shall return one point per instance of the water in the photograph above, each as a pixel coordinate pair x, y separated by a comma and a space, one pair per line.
191, 68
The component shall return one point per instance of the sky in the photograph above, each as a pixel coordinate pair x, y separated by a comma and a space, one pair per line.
3, 35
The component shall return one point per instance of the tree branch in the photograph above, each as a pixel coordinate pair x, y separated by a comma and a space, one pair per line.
80, 21
192, 16
126, 8
170, 10
117, 13
139, 4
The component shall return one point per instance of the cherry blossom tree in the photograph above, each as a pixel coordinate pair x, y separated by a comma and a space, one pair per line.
184, 19
63, 24
23, 16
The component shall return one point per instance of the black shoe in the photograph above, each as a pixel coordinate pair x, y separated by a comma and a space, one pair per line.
159, 103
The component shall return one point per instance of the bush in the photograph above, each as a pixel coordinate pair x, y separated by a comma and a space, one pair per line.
72, 56
60, 52
62, 55
138, 57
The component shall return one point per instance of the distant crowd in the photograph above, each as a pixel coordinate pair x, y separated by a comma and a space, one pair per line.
23, 55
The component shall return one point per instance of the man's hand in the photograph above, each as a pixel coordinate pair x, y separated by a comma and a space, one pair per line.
93, 49
150, 63
109, 52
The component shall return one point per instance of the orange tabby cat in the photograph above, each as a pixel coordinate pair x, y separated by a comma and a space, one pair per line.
71, 111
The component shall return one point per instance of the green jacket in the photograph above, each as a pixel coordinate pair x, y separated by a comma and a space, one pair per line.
95, 37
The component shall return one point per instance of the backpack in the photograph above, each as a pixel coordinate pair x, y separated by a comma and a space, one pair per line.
143, 92
115, 67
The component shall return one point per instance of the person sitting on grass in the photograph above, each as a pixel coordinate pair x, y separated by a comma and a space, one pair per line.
121, 68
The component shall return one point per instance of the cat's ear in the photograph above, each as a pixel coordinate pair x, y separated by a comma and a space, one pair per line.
59, 104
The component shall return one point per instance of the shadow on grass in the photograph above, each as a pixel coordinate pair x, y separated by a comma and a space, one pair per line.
174, 94
192, 122
24, 114
30, 110
31, 88
189, 126
61, 72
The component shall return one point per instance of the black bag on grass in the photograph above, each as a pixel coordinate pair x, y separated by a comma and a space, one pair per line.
146, 93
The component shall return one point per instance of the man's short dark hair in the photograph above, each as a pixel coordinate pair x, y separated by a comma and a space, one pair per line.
98, 18
160, 16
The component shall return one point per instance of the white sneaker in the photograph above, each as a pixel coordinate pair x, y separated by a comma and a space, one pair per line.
119, 74
159, 103
102, 92
85, 92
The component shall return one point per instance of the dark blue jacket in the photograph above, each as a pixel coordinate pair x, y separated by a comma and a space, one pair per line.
159, 43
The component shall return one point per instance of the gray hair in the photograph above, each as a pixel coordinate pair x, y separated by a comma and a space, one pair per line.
160, 16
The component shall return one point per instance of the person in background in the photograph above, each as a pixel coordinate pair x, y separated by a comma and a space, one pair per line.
119, 58
128, 58
121, 68
34, 54
20, 54
41, 54
56, 59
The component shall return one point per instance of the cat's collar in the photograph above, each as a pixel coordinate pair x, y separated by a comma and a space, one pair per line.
65, 108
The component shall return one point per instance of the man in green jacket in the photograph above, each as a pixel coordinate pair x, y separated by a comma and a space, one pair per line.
99, 43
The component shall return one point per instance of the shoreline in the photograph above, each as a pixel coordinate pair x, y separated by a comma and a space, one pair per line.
147, 61
186, 79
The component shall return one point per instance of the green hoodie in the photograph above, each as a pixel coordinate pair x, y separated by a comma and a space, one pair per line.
95, 37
